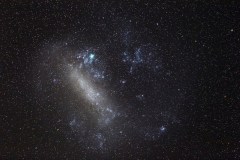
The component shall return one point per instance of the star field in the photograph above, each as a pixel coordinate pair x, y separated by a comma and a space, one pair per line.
119, 80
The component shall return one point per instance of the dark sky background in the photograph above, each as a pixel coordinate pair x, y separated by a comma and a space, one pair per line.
176, 88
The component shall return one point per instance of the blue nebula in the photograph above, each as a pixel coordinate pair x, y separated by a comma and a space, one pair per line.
91, 56
89, 59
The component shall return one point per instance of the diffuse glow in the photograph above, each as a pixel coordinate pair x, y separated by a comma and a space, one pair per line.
96, 96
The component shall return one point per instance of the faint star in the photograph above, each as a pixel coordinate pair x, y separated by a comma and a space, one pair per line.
162, 128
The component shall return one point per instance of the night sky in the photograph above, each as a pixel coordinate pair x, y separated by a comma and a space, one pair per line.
119, 80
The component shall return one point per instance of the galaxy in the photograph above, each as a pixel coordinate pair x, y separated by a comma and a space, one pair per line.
99, 106
119, 80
